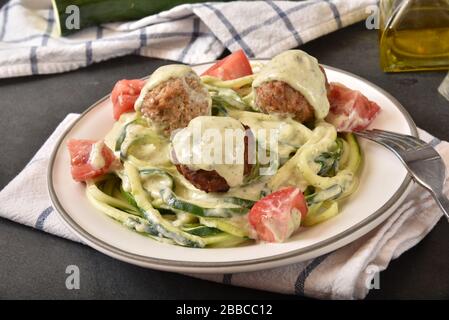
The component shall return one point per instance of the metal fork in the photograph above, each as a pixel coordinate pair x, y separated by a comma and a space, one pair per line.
421, 160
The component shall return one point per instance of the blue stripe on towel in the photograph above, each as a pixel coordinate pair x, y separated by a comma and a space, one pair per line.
235, 35
159, 35
301, 280
131, 37
27, 38
99, 33
5, 21
50, 22
286, 21
143, 37
42, 217
196, 29
227, 278
335, 12
142, 40
163, 35
33, 61
88, 53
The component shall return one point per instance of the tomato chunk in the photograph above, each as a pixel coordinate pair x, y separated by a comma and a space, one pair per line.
82, 167
234, 66
349, 109
124, 94
278, 215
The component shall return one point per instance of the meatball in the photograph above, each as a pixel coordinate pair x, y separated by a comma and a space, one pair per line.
279, 97
211, 181
172, 104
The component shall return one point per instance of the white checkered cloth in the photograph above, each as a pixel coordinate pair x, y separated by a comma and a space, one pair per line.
343, 274
187, 33
444, 87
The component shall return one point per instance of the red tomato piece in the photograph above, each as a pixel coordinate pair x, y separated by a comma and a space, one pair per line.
124, 94
278, 215
349, 109
81, 168
234, 66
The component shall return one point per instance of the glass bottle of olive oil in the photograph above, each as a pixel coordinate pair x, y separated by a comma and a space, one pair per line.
414, 35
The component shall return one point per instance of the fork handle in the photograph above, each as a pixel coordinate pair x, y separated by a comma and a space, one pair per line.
443, 203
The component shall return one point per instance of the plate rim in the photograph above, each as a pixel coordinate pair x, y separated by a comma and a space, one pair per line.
341, 238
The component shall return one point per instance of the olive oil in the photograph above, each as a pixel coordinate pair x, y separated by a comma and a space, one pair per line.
414, 35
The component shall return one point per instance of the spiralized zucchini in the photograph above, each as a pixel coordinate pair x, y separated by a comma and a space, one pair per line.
320, 212
230, 84
148, 195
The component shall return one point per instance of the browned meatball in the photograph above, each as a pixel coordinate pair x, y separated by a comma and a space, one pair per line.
172, 104
279, 97
211, 181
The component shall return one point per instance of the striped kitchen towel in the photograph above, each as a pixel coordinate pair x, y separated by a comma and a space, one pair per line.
346, 273
190, 33
444, 87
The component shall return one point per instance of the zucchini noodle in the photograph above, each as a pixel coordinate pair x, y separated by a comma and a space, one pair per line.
230, 84
147, 194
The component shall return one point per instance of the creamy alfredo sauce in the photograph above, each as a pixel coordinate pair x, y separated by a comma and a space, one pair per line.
96, 159
213, 143
302, 72
290, 133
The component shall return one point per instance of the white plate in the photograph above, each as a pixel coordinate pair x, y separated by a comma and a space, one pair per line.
383, 185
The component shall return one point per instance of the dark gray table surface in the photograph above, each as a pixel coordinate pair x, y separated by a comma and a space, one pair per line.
32, 263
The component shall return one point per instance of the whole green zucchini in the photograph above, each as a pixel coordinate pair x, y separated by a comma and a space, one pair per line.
73, 15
